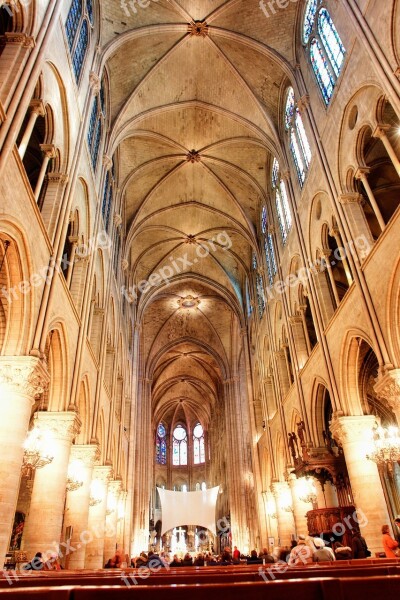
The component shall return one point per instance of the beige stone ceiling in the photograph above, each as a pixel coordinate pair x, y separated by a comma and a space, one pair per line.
171, 93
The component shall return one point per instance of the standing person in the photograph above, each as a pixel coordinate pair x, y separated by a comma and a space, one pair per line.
389, 544
236, 555
359, 546
397, 527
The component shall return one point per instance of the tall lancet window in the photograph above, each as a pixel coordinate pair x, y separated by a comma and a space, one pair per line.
179, 446
259, 287
298, 141
281, 201
268, 246
78, 27
161, 445
325, 47
199, 453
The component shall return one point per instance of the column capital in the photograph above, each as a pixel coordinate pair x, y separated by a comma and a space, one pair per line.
37, 106
94, 82
124, 264
62, 425
107, 162
351, 429
388, 388
60, 178
102, 473
49, 150
381, 130
304, 102
117, 220
296, 320
362, 173
352, 198
114, 487
25, 375
18, 39
87, 453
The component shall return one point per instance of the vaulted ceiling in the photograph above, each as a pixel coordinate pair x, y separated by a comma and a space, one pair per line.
196, 89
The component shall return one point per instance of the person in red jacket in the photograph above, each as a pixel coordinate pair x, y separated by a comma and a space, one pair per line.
236, 554
389, 544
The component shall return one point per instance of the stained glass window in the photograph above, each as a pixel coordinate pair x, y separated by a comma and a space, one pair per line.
80, 50
282, 210
298, 142
198, 445
92, 122
105, 195
161, 445
96, 144
89, 8
264, 219
309, 18
73, 20
290, 107
259, 287
77, 30
268, 242
325, 46
179, 446
321, 69
301, 133
331, 40
95, 129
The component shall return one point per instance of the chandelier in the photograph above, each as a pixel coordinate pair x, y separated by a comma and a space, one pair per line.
386, 446
36, 455
306, 490
75, 475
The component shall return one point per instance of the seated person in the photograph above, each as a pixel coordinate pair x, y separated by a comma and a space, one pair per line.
322, 553
155, 561
300, 554
141, 560
341, 552
187, 560
265, 555
36, 563
176, 561
199, 561
254, 560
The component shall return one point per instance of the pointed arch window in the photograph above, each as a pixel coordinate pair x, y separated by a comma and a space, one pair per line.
259, 287
199, 453
325, 47
78, 26
203, 486
161, 445
298, 141
268, 245
95, 129
281, 202
179, 446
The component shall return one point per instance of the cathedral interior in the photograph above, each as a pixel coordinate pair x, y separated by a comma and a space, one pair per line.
199, 272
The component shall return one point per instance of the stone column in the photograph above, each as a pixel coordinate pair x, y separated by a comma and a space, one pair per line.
77, 506
49, 152
300, 508
16, 50
22, 378
286, 525
361, 174
388, 388
272, 518
44, 524
352, 206
36, 109
110, 540
380, 133
300, 342
354, 434
94, 557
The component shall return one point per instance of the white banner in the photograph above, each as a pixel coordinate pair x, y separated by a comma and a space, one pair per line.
188, 508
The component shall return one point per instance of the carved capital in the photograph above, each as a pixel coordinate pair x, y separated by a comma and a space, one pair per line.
117, 220
362, 173
347, 430
114, 487
61, 425
88, 454
381, 130
94, 82
304, 102
57, 178
353, 198
49, 150
23, 375
17, 39
198, 28
102, 473
388, 388
124, 264
296, 320
107, 162
37, 107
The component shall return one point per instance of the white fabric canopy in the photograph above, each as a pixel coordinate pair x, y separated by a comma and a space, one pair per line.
188, 508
